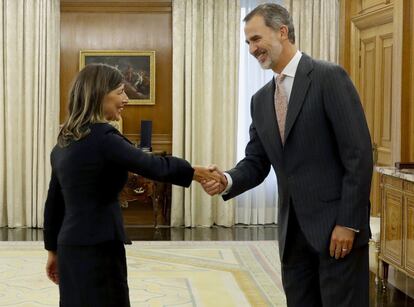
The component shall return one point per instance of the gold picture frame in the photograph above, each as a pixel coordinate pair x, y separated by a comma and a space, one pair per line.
138, 68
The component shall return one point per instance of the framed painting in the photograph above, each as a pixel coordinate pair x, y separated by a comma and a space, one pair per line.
138, 68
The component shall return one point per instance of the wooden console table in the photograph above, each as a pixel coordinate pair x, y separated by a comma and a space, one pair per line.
397, 221
142, 189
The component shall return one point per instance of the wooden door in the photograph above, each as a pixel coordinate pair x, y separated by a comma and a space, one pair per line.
372, 74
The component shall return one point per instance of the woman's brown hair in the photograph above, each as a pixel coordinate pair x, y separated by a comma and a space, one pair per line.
90, 86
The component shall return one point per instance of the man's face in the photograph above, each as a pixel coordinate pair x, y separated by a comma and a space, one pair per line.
265, 44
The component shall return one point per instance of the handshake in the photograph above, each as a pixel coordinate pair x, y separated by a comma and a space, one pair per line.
211, 178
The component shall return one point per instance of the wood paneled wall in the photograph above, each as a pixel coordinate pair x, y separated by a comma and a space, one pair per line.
122, 25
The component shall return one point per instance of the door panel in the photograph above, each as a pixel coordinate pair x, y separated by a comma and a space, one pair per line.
374, 83
391, 238
382, 134
409, 233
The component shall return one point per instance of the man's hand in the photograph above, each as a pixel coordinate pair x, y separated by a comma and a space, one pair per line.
52, 267
342, 239
203, 174
215, 187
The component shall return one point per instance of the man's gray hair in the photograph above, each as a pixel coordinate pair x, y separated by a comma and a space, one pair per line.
274, 16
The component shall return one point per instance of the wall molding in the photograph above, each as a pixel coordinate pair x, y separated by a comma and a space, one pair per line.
376, 18
367, 5
158, 140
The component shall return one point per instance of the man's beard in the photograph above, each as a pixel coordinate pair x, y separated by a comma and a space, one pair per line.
266, 64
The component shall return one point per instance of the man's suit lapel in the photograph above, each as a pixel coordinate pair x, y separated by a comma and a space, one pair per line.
300, 87
269, 118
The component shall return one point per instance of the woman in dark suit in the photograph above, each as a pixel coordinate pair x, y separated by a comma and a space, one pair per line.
83, 226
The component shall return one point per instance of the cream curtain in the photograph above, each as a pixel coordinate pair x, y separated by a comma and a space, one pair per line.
205, 76
258, 205
316, 27
29, 89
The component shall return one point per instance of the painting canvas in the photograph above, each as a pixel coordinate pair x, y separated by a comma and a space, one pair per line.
138, 68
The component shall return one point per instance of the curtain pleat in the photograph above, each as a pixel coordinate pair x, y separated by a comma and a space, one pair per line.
205, 74
29, 87
316, 27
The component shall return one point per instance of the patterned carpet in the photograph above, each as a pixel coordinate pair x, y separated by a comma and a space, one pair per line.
180, 273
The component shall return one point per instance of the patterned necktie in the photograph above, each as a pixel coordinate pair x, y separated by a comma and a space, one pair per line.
281, 104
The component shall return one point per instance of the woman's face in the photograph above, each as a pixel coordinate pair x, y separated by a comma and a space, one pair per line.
113, 103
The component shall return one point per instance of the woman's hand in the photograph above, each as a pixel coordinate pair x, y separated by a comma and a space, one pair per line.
203, 174
52, 267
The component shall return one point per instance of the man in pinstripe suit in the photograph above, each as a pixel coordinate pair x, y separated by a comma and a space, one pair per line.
308, 123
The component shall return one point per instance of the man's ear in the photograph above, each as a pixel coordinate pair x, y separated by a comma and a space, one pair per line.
284, 32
